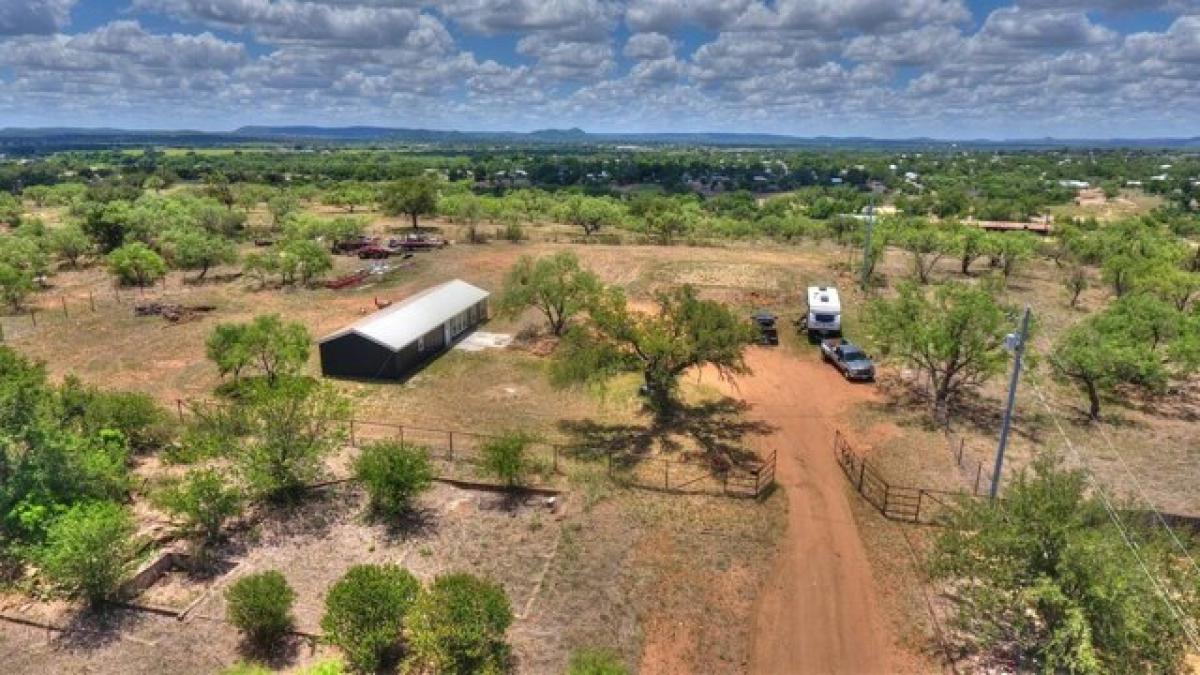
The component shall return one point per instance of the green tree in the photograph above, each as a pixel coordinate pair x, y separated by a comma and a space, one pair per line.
260, 606
70, 243
275, 348
1116, 347
970, 245
556, 285
90, 549
15, 285
303, 260
281, 207
290, 428
394, 474
10, 210
457, 626
1076, 282
137, 264
193, 248
413, 197
590, 213
1013, 249
504, 456
686, 332
1044, 573
926, 244
954, 335
204, 500
365, 611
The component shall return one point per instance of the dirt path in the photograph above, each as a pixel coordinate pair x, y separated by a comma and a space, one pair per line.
818, 612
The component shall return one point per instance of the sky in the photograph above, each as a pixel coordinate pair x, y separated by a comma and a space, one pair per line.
884, 68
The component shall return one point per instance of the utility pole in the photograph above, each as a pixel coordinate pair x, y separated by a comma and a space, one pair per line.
1016, 344
866, 265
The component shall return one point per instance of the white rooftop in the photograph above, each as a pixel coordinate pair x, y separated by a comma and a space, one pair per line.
400, 325
824, 298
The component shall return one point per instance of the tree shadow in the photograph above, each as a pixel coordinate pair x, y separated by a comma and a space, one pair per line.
277, 656
909, 405
416, 522
717, 430
96, 627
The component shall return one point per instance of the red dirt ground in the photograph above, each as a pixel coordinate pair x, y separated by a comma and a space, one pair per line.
819, 610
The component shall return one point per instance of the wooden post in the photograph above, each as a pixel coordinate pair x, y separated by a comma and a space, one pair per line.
352, 443
91, 301
451, 433
666, 475
64, 305
33, 316
179, 407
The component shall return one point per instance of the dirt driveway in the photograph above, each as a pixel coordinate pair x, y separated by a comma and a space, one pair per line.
818, 612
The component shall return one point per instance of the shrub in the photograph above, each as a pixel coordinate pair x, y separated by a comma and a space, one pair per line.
393, 473
457, 625
504, 456
593, 661
365, 610
90, 549
203, 500
260, 605
143, 422
136, 264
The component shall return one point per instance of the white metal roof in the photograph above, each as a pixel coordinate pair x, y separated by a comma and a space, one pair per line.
400, 325
824, 299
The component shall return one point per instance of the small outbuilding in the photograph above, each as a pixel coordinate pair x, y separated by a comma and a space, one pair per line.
393, 342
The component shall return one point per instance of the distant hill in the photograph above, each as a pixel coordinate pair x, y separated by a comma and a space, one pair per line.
35, 140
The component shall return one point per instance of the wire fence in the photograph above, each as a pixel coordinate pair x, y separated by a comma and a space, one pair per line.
459, 455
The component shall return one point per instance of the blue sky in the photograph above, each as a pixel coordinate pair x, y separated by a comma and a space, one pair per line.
887, 68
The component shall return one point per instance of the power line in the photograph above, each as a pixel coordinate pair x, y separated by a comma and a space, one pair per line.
1157, 514
1158, 584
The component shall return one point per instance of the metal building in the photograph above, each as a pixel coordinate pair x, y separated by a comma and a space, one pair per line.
395, 341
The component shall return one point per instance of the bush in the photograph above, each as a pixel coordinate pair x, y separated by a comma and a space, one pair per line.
90, 549
143, 422
203, 500
457, 625
136, 264
592, 661
393, 473
260, 605
365, 610
504, 456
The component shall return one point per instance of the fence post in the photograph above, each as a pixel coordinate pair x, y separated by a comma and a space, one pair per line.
554, 448
91, 301
33, 316
352, 443
451, 433
179, 408
978, 473
666, 475
400, 427
64, 305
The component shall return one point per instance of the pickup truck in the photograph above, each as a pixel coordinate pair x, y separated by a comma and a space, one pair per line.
417, 242
848, 358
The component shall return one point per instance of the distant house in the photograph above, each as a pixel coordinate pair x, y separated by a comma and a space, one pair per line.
1075, 184
393, 342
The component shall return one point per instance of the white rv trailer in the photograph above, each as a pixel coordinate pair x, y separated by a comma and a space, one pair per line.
824, 315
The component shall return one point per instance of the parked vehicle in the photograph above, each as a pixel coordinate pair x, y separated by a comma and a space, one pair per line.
353, 245
768, 334
823, 314
375, 251
417, 242
848, 358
